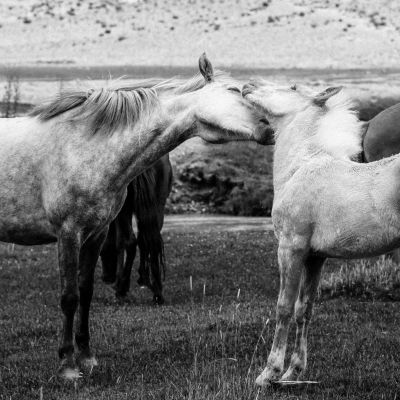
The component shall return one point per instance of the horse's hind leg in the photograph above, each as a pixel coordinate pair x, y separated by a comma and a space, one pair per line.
68, 255
144, 272
88, 258
124, 276
303, 314
109, 255
126, 244
157, 287
291, 265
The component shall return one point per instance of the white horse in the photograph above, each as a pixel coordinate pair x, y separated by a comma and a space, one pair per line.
65, 169
325, 204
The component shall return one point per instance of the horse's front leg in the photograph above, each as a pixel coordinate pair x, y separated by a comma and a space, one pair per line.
303, 314
87, 263
69, 243
291, 266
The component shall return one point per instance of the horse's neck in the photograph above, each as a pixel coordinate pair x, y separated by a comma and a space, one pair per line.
309, 137
340, 134
139, 148
291, 148
288, 158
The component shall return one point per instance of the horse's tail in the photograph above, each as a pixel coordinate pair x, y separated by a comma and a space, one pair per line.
146, 207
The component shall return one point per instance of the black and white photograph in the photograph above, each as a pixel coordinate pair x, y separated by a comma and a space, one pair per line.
200, 199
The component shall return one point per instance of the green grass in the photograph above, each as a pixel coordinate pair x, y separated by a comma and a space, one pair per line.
208, 342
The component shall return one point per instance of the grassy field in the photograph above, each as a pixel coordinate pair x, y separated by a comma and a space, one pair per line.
208, 342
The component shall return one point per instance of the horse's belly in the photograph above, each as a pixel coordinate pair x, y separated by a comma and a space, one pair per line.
28, 229
23, 219
355, 242
28, 238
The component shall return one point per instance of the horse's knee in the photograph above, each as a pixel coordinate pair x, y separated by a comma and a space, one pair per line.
284, 311
299, 311
85, 293
69, 302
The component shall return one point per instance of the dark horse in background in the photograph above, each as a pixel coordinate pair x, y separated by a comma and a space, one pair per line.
382, 139
146, 198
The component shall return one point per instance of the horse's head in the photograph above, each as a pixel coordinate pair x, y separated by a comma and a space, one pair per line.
328, 117
278, 102
221, 113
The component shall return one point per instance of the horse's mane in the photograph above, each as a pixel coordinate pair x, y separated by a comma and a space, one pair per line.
119, 105
339, 130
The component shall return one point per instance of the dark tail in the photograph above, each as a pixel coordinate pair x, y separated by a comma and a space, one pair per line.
151, 246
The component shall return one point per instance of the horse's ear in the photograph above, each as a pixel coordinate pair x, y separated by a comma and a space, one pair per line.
206, 68
321, 98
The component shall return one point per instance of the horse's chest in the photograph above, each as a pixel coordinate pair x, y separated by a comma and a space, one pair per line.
89, 209
290, 213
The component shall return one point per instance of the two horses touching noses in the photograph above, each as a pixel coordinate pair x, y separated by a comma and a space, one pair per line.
326, 204
65, 170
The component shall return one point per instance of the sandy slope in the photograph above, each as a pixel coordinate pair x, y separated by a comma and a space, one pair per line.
273, 33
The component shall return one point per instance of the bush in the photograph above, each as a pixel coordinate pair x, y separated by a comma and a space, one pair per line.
230, 179
11, 97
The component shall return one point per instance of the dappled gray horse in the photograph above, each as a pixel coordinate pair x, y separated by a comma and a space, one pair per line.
64, 170
146, 198
325, 204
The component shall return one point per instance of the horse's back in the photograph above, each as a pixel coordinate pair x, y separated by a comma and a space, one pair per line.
382, 138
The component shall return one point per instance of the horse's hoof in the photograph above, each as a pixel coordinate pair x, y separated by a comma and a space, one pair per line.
292, 374
124, 299
143, 283
69, 374
158, 300
87, 363
267, 378
262, 382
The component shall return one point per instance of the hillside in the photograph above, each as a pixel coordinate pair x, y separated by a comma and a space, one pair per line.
245, 33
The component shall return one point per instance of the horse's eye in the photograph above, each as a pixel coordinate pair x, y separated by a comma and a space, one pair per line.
294, 87
234, 89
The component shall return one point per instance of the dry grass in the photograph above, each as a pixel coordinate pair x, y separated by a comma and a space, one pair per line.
367, 279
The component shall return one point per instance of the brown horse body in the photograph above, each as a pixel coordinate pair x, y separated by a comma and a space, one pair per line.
382, 136
146, 198
381, 140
